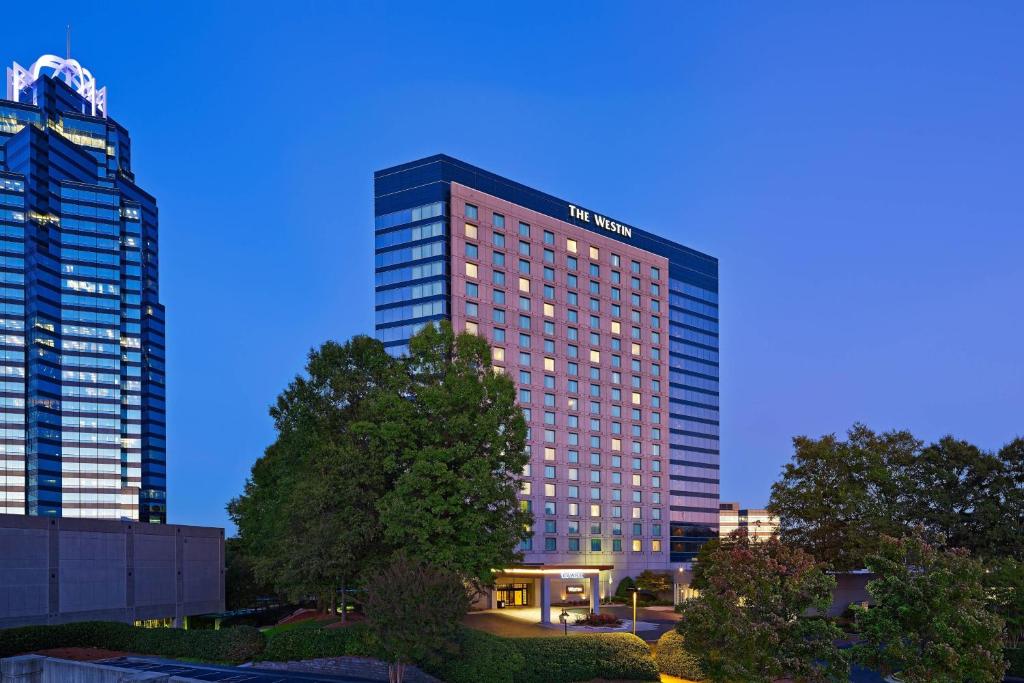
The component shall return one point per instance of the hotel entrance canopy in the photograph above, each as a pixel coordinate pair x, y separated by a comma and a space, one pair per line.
545, 572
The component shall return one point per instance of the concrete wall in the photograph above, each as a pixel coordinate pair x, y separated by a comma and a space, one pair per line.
36, 669
55, 571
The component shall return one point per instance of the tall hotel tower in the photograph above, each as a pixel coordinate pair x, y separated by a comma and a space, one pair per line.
611, 336
81, 328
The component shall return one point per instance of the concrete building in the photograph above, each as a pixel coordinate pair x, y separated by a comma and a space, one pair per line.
611, 336
59, 570
760, 524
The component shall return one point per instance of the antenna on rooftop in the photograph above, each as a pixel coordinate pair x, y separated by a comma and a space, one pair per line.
68, 56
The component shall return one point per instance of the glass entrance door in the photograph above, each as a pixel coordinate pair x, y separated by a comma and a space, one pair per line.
514, 594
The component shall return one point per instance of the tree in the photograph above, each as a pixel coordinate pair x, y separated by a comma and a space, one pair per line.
454, 499
625, 588
1004, 581
929, 620
308, 516
838, 497
748, 622
654, 582
955, 496
242, 590
413, 608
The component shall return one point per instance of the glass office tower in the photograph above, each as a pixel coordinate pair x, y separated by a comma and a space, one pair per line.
610, 333
82, 412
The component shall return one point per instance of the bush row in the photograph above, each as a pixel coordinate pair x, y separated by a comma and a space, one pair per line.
316, 643
485, 658
1015, 657
674, 659
232, 645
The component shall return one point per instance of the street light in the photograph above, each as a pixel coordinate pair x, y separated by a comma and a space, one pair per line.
564, 618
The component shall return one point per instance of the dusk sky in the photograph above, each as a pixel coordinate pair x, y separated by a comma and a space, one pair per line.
857, 171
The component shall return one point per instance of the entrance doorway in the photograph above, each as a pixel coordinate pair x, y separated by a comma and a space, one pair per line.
513, 594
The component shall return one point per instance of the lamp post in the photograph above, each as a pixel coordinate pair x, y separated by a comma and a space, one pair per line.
564, 618
634, 591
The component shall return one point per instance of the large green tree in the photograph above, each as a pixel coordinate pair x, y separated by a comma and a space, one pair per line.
376, 454
837, 497
929, 620
308, 516
454, 499
748, 624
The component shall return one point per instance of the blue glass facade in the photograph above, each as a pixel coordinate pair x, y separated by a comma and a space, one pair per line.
413, 203
82, 383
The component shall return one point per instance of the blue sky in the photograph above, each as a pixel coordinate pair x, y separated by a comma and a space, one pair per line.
857, 169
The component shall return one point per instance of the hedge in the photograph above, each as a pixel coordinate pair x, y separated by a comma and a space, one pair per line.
316, 643
232, 645
485, 658
674, 659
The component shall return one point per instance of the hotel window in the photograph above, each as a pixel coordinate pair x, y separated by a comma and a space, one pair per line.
574, 492
524, 229
595, 253
595, 510
656, 466
524, 248
655, 273
595, 545
499, 239
635, 349
524, 322
471, 211
471, 270
524, 376
472, 327
549, 399
524, 301
549, 507
637, 545
549, 364
572, 264
498, 258
472, 289
549, 310
574, 545
470, 231
498, 296
634, 266
471, 308
595, 270
616, 511
616, 294
549, 490
616, 444
570, 246
635, 284
498, 220
498, 277
524, 395
655, 513
636, 513
595, 493
571, 281
574, 474
574, 509
616, 327
656, 545
616, 261
526, 488
616, 277
498, 315
549, 544
655, 289
549, 237
616, 545
498, 354
524, 266
499, 334
549, 256
595, 356
524, 284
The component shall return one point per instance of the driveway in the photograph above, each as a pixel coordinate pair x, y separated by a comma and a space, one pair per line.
226, 674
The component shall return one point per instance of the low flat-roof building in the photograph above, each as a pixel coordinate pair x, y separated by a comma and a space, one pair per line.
760, 524
59, 570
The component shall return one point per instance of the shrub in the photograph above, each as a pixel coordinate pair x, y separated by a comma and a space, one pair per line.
583, 657
624, 589
674, 659
315, 643
231, 645
601, 619
482, 658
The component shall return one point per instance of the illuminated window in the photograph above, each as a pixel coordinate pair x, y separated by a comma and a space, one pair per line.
526, 487
498, 355
549, 490
549, 310
636, 513
635, 348
637, 545
636, 480
524, 284
574, 509
656, 545
595, 253
549, 453
472, 327
636, 398
549, 364
616, 327
470, 231
595, 510
616, 444
570, 246
471, 270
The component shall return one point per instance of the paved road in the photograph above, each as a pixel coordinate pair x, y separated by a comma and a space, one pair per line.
226, 674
